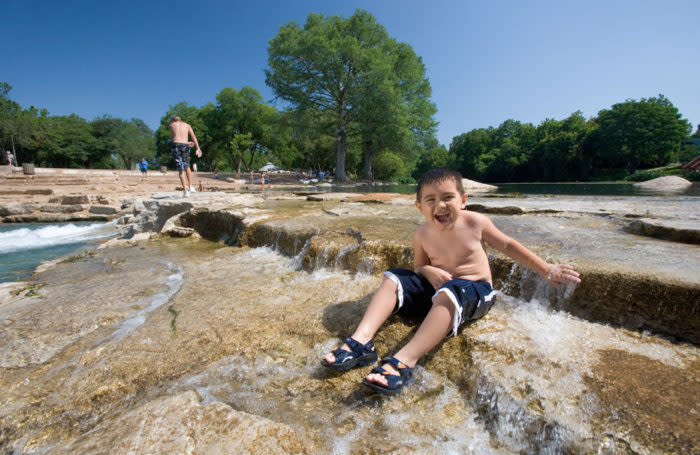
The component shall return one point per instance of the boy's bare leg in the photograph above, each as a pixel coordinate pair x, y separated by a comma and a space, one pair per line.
379, 309
433, 329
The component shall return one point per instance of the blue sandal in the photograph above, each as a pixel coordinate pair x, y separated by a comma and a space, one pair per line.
396, 382
361, 355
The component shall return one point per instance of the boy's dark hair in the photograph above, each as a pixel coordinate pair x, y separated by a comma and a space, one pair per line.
439, 175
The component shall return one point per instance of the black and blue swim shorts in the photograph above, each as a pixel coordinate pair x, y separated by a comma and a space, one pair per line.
181, 155
472, 299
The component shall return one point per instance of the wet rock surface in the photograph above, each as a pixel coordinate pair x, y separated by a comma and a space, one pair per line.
211, 343
209, 347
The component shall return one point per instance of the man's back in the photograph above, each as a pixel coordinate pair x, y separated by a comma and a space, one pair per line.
180, 131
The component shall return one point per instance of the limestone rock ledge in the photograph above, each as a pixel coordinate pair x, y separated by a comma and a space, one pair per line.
62, 209
688, 232
633, 299
182, 424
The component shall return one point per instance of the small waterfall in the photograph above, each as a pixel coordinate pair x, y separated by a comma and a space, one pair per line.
299, 258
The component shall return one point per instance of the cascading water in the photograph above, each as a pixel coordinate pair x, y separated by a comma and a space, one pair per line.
225, 358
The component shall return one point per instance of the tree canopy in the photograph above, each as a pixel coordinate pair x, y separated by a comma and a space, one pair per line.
70, 141
352, 72
639, 134
629, 136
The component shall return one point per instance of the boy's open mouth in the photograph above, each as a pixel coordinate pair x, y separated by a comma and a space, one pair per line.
442, 218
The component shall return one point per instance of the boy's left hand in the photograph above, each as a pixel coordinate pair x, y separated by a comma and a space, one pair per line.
562, 274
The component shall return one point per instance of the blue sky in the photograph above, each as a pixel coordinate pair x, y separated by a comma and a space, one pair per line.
487, 61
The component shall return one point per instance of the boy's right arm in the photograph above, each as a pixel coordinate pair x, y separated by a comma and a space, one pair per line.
554, 274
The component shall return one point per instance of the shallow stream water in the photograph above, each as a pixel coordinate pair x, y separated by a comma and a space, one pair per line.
192, 346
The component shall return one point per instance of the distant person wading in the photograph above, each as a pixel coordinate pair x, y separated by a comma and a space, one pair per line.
182, 132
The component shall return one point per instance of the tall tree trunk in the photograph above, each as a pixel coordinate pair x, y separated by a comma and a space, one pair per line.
342, 139
367, 145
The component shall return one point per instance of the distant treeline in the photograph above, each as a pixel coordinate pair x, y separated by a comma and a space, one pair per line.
629, 136
357, 102
70, 141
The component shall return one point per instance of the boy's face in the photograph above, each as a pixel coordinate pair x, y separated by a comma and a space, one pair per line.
440, 203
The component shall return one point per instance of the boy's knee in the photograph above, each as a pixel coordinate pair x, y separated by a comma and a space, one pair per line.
442, 300
387, 281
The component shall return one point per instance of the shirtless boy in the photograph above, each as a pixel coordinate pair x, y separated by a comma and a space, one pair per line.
448, 256
181, 132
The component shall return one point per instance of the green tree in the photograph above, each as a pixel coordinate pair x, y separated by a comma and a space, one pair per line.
435, 156
495, 154
395, 112
639, 134
309, 142
343, 68
561, 152
467, 148
244, 128
122, 141
20, 129
68, 143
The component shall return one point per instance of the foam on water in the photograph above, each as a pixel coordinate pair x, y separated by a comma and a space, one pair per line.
28, 238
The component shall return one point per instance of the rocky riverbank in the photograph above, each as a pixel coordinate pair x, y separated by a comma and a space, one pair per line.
200, 331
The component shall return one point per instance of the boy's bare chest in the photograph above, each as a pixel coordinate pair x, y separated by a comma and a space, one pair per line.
452, 249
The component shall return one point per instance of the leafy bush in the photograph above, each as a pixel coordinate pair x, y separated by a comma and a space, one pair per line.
693, 176
387, 165
404, 180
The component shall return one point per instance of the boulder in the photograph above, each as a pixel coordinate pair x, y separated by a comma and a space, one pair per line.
184, 424
71, 200
674, 231
508, 210
15, 208
104, 201
103, 209
42, 191
477, 186
61, 208
664, 183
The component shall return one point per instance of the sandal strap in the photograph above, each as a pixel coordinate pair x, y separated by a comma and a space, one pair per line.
404, 370
380, 370
394, 381
356, 346
357, 349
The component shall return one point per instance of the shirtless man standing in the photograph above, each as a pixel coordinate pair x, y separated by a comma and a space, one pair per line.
181, 132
